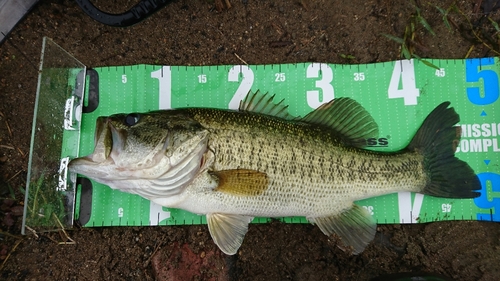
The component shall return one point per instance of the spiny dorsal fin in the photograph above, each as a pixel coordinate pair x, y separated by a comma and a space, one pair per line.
347, 118
355, 227
344, 116
264, 104
228, 230
241, 182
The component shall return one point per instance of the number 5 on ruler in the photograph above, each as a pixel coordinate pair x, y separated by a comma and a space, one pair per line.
475, 73
245, 85
404, 71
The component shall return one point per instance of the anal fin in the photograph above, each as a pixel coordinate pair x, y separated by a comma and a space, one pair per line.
355, 227
228, 230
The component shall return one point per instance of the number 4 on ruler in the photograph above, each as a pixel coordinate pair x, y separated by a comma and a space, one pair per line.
404, 72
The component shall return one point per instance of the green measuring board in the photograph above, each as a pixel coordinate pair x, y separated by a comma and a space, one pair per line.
398, 94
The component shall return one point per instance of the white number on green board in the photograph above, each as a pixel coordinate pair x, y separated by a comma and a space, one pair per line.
409, 211
202, 78
157, 213
164, 76
446, 208
314, 70
279, 77
245, 84
359, 76
440, 72
369, 209
404, 72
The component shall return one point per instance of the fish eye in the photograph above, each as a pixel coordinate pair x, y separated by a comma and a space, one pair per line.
132, 119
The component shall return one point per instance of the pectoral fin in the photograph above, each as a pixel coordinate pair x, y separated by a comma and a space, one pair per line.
355, 227
241, 182
228, 230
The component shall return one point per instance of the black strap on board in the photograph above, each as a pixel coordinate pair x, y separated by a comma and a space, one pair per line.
136, 14
85, 200
93, 92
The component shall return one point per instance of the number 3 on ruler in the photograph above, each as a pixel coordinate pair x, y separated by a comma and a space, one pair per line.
245, 85
404, 71
313, 71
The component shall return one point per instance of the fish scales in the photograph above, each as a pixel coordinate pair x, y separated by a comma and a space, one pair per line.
304, 165
260, 161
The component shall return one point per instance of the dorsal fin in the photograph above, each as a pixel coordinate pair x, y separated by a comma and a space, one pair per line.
347, 118
344, 116
264, 104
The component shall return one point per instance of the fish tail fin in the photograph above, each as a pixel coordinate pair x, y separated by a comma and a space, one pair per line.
437, 139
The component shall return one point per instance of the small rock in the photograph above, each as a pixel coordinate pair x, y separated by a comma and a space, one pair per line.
17, 211
176, 262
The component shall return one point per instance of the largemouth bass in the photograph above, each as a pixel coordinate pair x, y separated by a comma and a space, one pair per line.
260, 161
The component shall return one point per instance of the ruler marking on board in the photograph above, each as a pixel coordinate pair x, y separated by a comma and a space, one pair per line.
375, 85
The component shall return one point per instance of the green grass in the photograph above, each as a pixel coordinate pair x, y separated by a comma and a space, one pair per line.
408, 41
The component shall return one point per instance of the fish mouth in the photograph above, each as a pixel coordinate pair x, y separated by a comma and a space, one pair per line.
108, 141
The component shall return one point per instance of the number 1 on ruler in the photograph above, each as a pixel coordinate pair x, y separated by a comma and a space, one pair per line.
164, 76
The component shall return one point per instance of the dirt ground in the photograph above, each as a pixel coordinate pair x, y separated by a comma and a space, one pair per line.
194, 32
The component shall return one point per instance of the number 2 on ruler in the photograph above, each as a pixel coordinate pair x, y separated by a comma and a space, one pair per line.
404, 71
245, 85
